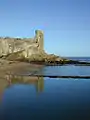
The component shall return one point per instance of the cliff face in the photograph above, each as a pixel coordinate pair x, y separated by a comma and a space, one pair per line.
23, 47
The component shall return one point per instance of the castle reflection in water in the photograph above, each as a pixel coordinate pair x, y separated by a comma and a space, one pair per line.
38, 82
11, 80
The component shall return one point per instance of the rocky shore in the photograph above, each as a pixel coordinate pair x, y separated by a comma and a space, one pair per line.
27, 56
24, 65
22, 55
30, 50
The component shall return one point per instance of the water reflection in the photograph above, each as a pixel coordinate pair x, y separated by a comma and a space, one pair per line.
37, 81
61, 99
11, 80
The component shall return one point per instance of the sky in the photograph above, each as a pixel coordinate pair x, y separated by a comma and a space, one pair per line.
65, 23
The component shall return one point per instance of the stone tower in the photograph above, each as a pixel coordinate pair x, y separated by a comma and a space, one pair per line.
39, 37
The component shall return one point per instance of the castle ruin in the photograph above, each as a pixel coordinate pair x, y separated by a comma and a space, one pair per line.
26, 47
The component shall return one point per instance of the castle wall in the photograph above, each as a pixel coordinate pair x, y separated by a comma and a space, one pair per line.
28, 46
40, 39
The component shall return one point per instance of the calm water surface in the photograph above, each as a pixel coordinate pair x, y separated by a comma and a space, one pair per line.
65, 99
65, 70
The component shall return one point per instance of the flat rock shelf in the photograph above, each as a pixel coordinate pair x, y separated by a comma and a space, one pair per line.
82, 77
53, 76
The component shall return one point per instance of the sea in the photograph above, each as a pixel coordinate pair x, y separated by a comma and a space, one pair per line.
50, 98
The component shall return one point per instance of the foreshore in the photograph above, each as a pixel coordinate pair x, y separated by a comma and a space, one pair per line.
7, 66
15, 67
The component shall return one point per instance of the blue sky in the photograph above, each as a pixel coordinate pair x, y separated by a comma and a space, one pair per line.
66, 23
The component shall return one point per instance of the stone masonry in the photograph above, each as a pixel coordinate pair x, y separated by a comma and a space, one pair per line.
27, 46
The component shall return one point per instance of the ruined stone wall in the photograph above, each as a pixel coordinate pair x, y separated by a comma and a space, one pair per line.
40, 39
27, 46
